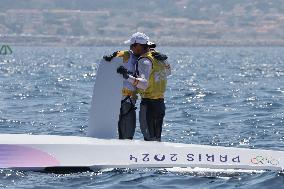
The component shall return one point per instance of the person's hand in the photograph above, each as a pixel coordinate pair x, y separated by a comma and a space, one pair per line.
108, 58
123, 71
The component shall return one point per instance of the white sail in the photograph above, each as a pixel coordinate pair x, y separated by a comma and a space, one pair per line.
106, 99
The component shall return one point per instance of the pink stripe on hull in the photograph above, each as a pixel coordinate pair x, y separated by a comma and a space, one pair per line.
24, 156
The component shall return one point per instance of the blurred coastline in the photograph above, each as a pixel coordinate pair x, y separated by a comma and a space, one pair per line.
44, 40
167, 22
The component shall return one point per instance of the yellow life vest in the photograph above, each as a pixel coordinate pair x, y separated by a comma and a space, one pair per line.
125, 55
157, 80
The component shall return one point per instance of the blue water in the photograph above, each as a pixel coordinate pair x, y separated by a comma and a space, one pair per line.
215, 96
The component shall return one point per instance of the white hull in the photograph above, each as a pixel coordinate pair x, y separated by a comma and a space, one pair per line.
36, 152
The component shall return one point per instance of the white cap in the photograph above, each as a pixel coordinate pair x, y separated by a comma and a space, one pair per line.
140, 38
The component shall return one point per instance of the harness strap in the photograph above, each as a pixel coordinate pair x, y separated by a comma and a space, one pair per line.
130, 109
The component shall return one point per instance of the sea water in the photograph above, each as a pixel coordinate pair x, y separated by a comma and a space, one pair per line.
220, 96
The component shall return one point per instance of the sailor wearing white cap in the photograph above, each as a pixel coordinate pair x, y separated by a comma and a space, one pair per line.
127, 118
150, 78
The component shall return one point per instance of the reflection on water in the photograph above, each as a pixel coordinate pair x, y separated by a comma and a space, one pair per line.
215, 96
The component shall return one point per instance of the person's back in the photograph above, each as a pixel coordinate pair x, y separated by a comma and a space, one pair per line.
153, 67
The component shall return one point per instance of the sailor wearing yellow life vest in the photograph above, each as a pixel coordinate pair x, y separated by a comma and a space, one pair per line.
150, 78
127, 117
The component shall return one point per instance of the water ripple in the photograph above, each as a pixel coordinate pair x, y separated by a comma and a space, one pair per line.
216, 96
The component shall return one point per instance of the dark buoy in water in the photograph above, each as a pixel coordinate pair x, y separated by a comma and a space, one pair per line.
5, 50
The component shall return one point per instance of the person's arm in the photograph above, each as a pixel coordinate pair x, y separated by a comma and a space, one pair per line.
144, 68
140, 83
168, 68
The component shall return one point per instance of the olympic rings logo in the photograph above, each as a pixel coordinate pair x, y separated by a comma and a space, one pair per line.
260, 160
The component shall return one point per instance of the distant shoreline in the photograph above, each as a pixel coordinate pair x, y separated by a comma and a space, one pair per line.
115, 45
99, 41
